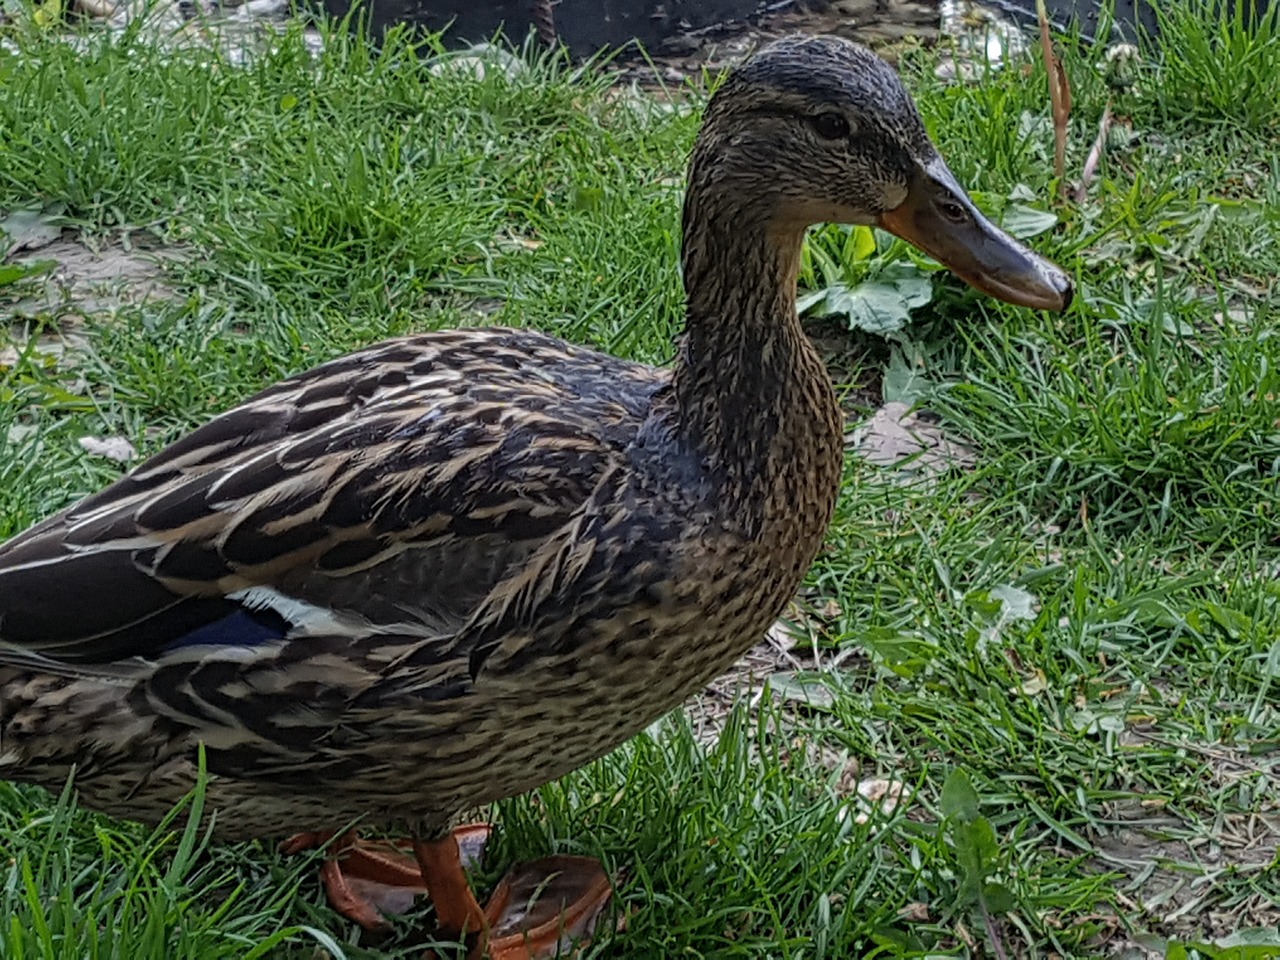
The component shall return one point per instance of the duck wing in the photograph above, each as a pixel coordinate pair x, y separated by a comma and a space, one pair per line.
391, 487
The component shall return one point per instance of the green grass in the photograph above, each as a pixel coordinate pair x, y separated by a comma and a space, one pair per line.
1220, 64
1085, 623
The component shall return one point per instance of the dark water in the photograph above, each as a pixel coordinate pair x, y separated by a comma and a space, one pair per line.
666, 26
1131, 16
583, 25
659, 26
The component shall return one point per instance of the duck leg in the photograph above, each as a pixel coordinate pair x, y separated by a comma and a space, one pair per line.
440, 865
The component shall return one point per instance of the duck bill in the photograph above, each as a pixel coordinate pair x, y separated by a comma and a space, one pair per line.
938, 217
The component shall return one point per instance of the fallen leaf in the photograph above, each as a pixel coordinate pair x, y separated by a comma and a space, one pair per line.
19, 432
116, 448
875, 788
30, 230
102, 9
1014, 604
880, 795
1017, 604
809, 691
784, 634
895, 435
848, 781
917, 912
1036, 683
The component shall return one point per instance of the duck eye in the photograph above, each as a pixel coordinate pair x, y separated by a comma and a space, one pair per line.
953, 211
830, 126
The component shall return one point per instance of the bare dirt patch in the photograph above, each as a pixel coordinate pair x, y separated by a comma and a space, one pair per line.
1175, 866
89, 280
77, 281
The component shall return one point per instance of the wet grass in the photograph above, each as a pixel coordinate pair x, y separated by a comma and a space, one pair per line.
1084, 625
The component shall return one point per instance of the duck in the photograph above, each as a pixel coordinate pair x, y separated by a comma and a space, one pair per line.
449, 568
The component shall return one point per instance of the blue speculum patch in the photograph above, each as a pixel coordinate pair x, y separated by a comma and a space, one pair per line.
242, 628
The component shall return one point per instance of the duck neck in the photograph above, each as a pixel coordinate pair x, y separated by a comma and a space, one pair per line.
749, 391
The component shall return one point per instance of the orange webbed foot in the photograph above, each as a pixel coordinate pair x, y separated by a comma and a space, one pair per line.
364, 880
539, 910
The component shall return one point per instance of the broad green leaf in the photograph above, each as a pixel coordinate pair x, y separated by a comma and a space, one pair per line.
969, 859
880, 305
1260, 949
903, 381
1022, 221
586, 198
1093, 720
808, 300
983, 836
984, 603
1234, 623
905, 654
915, 286
864, 243
48, 13
959, 799
13, 272
874, 307
998, 898
357, 172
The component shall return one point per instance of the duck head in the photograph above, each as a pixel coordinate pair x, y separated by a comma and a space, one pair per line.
818, 129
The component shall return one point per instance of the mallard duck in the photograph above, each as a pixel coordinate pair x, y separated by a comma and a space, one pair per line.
448, 568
